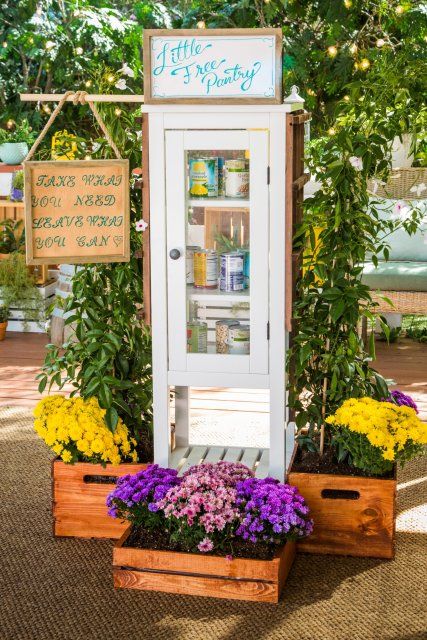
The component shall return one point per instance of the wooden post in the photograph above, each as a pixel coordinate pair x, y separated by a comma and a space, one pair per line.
146, 267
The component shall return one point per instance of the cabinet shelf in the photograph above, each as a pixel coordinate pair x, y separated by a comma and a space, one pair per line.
226, 203
215, 295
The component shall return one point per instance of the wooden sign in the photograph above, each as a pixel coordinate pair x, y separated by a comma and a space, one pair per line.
77, 211
212, 66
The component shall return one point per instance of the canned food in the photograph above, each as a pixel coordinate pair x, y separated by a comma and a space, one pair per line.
235, 165
246, 267
231, 274
221, 176
221, 334
239, 339
189, 263
197, 337
236, 179
206, 269
203, 177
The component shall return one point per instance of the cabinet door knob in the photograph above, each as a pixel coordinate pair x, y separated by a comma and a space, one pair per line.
175, 254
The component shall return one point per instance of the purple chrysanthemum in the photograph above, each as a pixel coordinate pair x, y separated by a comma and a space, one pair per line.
135, 496
402, 399
271, 511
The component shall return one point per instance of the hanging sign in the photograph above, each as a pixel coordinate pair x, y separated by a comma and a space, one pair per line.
77, 211
212, 65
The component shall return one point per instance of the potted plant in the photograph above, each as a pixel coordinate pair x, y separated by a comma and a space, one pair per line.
350, 486
17, 192
14, 143
216, 531
17, 286
11, 236
89, 460
4, 314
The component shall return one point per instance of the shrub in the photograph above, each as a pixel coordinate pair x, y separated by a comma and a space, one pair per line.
75, 430
373, 435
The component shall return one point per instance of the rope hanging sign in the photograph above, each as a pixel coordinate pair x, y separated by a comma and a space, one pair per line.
76, 211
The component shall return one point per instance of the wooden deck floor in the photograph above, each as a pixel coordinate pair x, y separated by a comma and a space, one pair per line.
21, 356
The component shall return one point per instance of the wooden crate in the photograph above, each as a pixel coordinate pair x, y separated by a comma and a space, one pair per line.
201, 575
353, 516
78, 505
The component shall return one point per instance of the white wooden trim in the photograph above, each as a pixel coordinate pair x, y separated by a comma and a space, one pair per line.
176, 227
161, 401
182, 415
277, 295
208, 140
259, 226
205, 378
232, 120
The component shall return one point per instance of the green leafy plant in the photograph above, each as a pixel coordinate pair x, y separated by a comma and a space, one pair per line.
4, 314
12, 236
390, 334
17, 289
109, 355
18, 180
21, 132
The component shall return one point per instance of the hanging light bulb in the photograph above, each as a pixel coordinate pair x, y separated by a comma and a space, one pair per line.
399, 9
46, 109
79, 51
5, 44
110, 78
348, 4
201, 24
10, 123
380, 43
332, 51
356, 65
346, 98
88, 83
310, 92
117, 111
331, 131
353, 48
365, 64
31, 40
88, 157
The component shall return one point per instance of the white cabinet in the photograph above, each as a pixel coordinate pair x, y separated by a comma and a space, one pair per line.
217, 219
226, 234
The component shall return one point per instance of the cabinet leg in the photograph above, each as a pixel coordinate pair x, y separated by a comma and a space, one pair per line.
182, 416
161, 421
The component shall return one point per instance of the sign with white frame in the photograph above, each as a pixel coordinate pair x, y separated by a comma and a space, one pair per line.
212, 66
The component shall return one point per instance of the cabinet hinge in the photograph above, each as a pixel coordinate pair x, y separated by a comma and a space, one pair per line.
268, 330
268, 175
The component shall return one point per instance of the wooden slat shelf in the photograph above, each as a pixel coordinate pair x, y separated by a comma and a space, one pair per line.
182, 458
10, 203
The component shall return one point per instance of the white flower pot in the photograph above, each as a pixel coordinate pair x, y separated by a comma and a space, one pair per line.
401, 157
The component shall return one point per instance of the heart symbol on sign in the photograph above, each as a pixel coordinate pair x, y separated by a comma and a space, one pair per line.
117, 240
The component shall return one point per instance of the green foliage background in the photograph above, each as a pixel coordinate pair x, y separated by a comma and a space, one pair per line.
361, 67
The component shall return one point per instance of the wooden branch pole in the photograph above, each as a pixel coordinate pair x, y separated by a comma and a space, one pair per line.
90, 97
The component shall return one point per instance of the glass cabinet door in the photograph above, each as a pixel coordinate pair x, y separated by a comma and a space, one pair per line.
217, 250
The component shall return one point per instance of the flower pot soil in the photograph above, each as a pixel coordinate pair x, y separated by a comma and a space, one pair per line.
172, 571
142, 538
312, 462
79, 492
353, 514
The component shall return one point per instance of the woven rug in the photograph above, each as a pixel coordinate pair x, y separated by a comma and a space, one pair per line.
62, 588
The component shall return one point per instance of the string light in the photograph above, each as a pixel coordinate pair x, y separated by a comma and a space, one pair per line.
79, 51
49, 45
310, 92
332, 51
76, 13
365, 64
331, 131
88, 83
117, 111
380, 42
356, 65
39, 11
201, 24
31, 40
348, 4
353, 48
5, 44
399, 9
10, 123
346, 98
46, 108
110, 78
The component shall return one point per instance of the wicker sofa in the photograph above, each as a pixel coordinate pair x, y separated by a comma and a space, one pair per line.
403, 278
